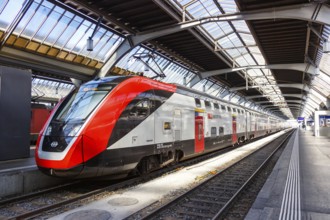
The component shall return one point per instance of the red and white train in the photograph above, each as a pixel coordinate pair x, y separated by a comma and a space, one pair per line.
117, 125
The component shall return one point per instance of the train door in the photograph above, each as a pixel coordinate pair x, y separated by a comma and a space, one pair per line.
247, 124
234, 134
256, 126
199, 134
177, 125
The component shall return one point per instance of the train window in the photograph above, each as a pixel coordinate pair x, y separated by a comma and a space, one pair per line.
223, 107
200, 131
229, 109
213, 131
216, 105
221, 131
167, 125
198, 102
141, 109
207, 104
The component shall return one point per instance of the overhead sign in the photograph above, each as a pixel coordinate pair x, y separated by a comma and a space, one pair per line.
301, 118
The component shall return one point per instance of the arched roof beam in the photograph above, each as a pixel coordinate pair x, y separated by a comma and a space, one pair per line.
302, 67
286, 101
300, 96
312, 12
289, 85
280, 106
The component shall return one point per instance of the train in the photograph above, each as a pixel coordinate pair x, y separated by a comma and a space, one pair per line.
119, 125
39, 116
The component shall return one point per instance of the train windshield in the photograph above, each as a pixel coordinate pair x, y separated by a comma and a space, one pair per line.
83, 102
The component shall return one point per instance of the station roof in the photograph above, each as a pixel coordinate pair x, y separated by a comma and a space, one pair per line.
261, 54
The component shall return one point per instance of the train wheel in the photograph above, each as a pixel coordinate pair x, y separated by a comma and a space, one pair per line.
177, 156
147, 165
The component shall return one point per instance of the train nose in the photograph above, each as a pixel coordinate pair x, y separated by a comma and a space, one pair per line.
74, 172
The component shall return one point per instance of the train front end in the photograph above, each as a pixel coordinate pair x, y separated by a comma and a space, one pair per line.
75, 132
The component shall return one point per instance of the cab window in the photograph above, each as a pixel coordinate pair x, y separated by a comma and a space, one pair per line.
141, 109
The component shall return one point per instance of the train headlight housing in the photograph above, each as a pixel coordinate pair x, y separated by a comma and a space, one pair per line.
74, 130
48, 130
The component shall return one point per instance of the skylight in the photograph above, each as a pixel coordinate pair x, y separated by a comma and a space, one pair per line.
233, 39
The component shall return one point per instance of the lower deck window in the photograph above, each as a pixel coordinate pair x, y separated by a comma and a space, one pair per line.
221, 131
213, 132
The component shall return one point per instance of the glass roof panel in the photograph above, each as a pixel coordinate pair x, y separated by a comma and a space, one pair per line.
38, 18
242, 61
69, 31
9, 11
228, 6
76, 43
241, 26
53, 29
317, 96
248, 39
25, 20
249, 59
321, 87
49, 24
50, 89
259, 58
59, 28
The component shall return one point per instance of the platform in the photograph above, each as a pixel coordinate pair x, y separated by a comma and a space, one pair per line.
298, 187
163, 187
19, 164
22, 176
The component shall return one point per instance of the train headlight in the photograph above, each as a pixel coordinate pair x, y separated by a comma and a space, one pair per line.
74, 130
48, 130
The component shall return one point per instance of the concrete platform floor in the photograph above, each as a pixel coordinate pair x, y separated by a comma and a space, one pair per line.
299, 186
22, 176
19, 164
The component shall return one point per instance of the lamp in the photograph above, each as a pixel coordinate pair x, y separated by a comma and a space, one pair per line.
89, 45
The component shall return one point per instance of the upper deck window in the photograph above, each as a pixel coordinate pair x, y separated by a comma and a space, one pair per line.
198, 102
207, 104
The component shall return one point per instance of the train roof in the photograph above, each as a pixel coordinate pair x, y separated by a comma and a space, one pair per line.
180, 89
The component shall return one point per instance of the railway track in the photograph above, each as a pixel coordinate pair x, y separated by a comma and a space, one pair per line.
215, 196
38, 203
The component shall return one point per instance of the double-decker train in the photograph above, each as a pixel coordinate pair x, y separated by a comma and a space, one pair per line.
116, 125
